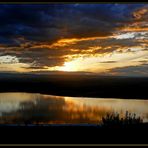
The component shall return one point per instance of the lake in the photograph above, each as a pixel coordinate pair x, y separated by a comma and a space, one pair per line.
34, 108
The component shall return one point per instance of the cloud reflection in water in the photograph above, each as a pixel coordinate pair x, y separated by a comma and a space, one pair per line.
18, 108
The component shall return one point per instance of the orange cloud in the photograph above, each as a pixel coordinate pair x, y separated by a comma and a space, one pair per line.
134, 29
139, 14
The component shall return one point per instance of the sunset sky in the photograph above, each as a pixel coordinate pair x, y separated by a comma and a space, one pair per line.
107, 39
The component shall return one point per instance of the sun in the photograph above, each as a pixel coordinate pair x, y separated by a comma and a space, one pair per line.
69, 66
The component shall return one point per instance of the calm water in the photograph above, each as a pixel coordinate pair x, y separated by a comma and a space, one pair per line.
18, 108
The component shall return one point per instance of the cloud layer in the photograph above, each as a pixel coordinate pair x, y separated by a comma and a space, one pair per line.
48, 35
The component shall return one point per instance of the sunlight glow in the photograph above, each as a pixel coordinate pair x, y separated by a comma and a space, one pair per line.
69, 66
103, 63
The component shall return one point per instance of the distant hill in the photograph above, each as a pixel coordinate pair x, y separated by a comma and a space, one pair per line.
75, 84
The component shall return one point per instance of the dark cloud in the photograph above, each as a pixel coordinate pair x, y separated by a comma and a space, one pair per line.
35, 67
108, 62
52, 22
25, 26
101, 46
39, 57
140, 70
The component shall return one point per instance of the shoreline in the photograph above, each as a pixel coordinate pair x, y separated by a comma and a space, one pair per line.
76, 85
79, 96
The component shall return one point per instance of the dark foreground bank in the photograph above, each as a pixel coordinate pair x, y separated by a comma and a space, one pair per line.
50, 134
76, 85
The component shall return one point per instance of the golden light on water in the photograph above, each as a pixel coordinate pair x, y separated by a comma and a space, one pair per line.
43, 109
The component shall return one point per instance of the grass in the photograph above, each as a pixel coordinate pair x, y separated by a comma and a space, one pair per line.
114, 120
